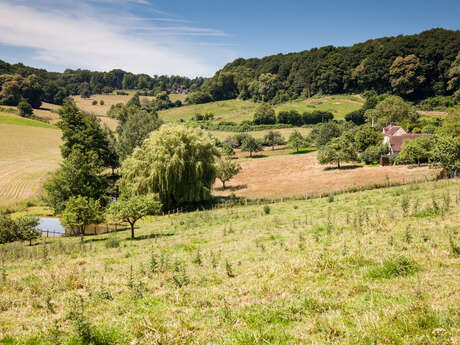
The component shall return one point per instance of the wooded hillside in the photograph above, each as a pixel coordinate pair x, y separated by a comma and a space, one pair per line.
415, 67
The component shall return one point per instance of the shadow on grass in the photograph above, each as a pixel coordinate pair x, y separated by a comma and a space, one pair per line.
232, 188
257, 156
303, 151
346, 167
150, 236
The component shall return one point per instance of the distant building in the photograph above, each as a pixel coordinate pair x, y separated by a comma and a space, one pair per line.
395, 136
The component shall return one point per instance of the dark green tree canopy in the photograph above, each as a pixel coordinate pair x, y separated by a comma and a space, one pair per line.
264, 114
79, 174
83, 132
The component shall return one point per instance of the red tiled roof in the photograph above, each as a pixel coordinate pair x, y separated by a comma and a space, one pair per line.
396, 142
391, 129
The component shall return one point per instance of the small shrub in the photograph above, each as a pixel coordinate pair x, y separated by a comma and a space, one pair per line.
154, 265
101, 102
453, 247
267, 209
228, 269
94, 102
197, 259
405, 204
180, 277
394, 267
330, 198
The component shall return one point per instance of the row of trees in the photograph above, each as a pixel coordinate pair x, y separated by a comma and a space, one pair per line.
265, 114
54, 87
414, 67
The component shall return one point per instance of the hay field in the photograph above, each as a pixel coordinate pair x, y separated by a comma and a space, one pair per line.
359, 269
101, 110
299, 174
29, 151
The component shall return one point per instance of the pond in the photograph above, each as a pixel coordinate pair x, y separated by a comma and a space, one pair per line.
53, 225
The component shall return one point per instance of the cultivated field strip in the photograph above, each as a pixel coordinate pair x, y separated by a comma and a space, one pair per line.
27, 156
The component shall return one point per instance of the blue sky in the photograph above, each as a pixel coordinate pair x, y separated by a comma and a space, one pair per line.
197, 37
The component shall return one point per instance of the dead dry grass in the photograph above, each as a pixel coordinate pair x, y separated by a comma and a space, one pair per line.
299, 174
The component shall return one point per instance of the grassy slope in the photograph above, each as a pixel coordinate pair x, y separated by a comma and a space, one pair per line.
357, 270
29, 151
20, 121
238, 110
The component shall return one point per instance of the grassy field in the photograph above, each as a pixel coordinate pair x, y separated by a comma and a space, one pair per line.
237, 110
29, 151
273, 175
374, 267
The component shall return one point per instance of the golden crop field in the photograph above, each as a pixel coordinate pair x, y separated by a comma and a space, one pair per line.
29, 152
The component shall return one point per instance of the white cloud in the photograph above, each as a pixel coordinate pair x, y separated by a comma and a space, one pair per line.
87, 39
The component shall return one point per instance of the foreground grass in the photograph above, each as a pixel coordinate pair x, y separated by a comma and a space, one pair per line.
375, 267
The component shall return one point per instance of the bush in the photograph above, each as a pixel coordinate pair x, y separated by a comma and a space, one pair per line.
94, 102
317, 116
198, 97
371, 155
291, 117
264, 115
25, 109
357, 117
101, 102
267, 209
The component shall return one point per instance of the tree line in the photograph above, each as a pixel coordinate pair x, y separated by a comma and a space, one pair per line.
413, 67
18, 82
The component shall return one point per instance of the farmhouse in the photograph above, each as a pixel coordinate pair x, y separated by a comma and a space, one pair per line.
395, 136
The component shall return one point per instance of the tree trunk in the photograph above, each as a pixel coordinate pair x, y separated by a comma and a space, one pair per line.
82, 233
273, 146
132, 230
338, 164
223, 184
250, 153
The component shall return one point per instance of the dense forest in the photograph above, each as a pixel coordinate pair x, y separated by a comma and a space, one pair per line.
18, 81
414, 67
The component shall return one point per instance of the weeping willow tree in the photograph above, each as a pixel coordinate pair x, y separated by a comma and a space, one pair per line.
176, 162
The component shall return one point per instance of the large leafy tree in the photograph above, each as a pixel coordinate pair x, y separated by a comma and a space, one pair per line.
175, 162
406, 74
296, 140
391, 109
131, 208
341, 149
446, 152
20, 229
14, 88
251, 145
226, 169
367, 136
264, 114
416, 151
80, 212
273, 138
83, 132
134, 128
78, 175
323, 133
